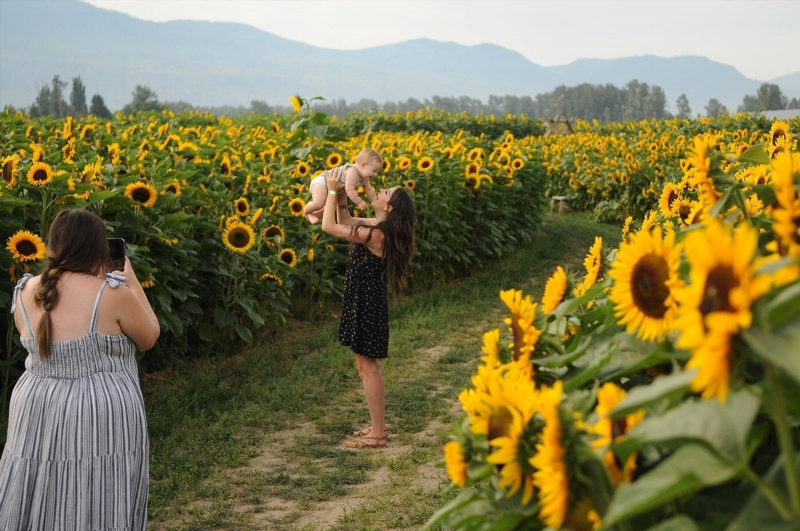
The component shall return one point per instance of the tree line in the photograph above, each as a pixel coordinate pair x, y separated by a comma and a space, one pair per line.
607, 103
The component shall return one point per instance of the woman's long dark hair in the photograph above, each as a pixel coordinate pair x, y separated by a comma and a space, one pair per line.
398, 238
76, 242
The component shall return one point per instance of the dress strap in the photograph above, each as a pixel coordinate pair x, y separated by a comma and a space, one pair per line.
20, 285
114, 281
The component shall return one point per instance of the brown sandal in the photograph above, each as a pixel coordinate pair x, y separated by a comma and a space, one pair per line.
367, 442
366, 431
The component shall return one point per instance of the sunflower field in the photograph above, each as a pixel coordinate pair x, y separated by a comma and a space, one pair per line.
211, 209
658, 388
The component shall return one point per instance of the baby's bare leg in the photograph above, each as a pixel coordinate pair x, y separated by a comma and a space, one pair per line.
315, 207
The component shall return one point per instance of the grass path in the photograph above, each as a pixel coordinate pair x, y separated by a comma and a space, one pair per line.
254, 440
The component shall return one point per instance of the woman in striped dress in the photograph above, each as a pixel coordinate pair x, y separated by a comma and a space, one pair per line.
77, 452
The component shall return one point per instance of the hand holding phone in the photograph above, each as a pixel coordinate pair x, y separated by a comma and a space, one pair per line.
116, 251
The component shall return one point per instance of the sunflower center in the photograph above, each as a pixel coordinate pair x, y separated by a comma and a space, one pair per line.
618, 427
40, 175
671, 199
716, 295
239, 238
141, 195
272, 232
241, 207
286, 257
8, 171
777, 136
26, 248
648, 285
499, 423
296, 207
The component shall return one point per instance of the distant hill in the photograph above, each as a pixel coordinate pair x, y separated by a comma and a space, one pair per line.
214, 64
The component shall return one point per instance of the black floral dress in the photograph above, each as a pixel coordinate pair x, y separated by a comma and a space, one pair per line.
365, 312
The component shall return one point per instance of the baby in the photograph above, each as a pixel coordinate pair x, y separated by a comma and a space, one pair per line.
368, 164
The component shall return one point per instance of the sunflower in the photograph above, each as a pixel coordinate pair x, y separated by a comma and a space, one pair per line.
610, 430
523, 312
473, 181
242, 207
386, 165
239, 237
173, 188
777, 132
114, 153
517, 164
297, 206
310, 255
288, 256
425, 164
270, 232
26, 246
554, 290
715, 305
301, 170
669, 195
255, 217
334, 160
455, 463
513, 451
551, 478
594, 267
11, 170
409, 184
403, 163
276, 128
272, 278
40, 174
225, 166
144, 194
645, 275
297, 103
476, 154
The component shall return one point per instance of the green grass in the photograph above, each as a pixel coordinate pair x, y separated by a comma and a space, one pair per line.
254, 439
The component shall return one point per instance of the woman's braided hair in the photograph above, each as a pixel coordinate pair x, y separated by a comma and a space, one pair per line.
76, 242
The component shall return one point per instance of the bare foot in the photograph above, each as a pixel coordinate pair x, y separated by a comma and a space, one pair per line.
312, 219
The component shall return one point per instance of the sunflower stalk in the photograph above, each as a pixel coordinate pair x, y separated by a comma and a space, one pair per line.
779, 416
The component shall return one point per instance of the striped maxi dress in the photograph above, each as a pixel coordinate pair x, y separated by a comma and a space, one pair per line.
77, 454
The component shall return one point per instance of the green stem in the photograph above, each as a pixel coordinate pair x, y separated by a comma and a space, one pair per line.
779, 416
772, 494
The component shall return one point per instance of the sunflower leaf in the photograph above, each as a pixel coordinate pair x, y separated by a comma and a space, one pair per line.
244, 333
676, 523
775, 346
755, 154
721, 427
223, 318
690, 469
641, 397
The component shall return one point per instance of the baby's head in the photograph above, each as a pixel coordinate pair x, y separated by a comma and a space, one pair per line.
369, 163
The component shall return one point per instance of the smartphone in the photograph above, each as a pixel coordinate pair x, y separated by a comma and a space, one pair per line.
116, 252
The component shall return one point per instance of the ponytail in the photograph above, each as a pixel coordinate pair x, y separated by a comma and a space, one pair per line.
46, 296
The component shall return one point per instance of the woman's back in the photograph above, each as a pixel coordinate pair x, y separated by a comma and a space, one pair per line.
77, 452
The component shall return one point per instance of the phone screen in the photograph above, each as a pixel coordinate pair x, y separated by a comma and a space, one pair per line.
116, 250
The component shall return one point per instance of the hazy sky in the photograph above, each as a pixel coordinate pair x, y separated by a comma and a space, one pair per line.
759, 38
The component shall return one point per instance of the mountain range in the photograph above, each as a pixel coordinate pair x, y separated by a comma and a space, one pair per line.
215, 64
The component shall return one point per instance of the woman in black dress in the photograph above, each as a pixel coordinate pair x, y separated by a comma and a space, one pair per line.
381, 249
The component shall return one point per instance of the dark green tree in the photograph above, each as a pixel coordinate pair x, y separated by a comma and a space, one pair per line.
77, 98
144, 99
715, 108
50, 100
99, 108
794, 104
682, 104
768, 98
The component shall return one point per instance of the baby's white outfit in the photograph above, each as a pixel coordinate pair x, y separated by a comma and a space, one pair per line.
320, 179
